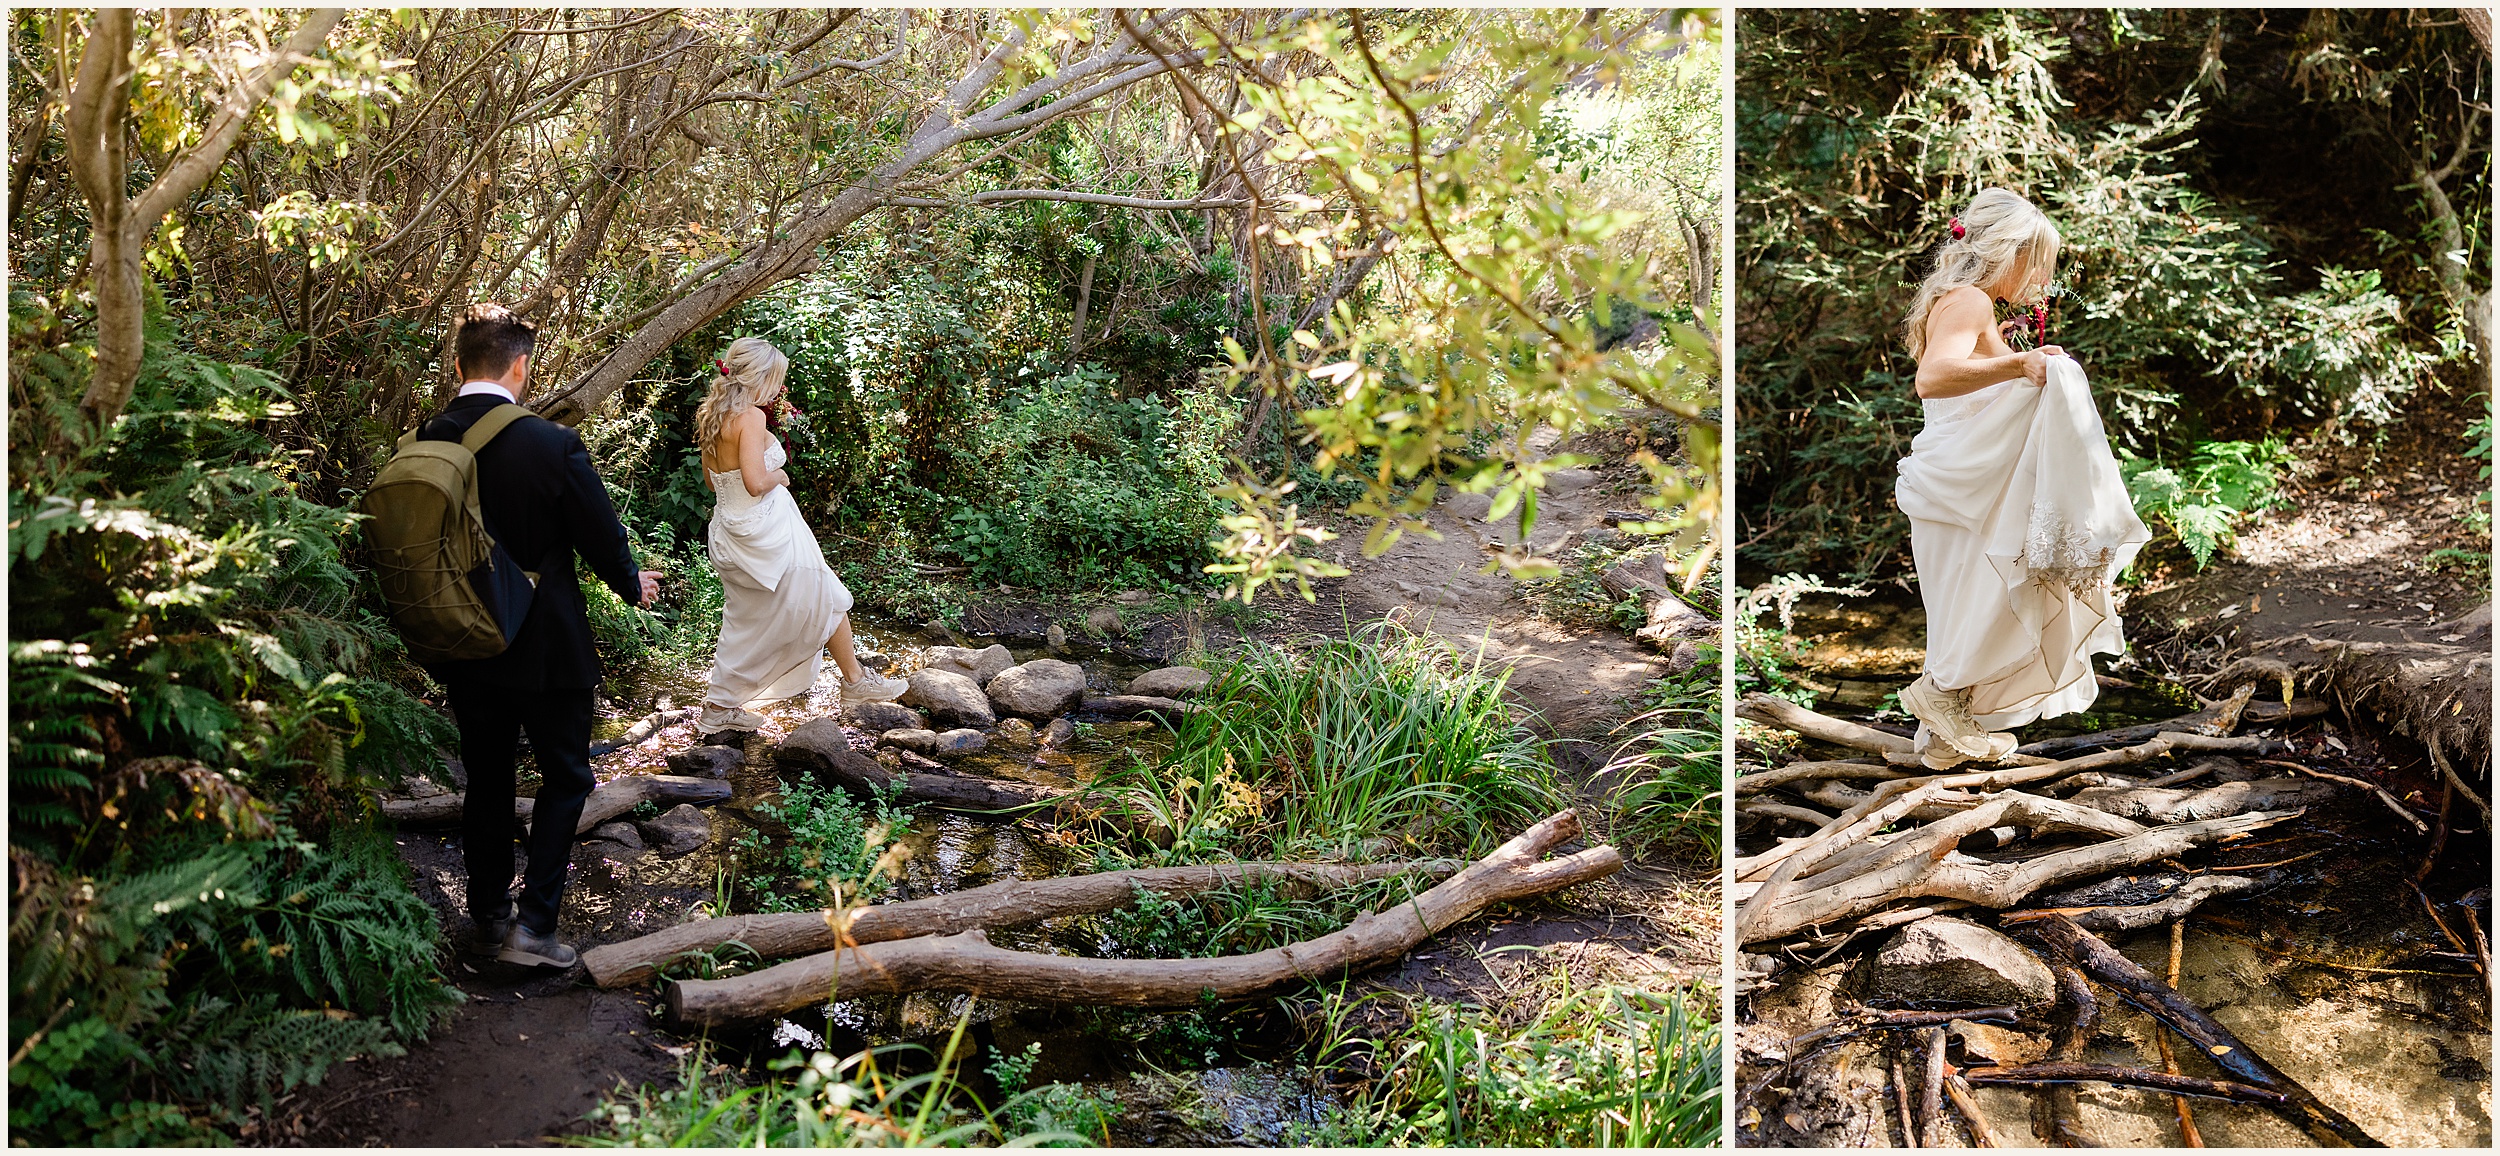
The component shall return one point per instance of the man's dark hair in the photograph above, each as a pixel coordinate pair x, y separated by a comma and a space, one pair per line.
490, 339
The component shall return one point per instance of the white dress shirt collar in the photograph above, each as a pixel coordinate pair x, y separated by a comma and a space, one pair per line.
496, 388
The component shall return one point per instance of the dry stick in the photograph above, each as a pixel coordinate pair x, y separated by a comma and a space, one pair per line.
2393, 804
1968, 1105
643, 730
2064, 1075
2450, 773
2085, 950
1786, 715
1901, 1100
2170, 1062
2058, 1114
2482, 943
969, 963
1931, 1092
2439, 839
1005, 904
1837, 769
2221, 718
2481, 965
1865, 1020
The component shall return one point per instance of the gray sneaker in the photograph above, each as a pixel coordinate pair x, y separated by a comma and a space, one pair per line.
872, 688
524, 946
1947, 717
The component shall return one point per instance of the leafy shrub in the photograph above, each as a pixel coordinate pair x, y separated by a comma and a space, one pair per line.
833, 852
2204, 503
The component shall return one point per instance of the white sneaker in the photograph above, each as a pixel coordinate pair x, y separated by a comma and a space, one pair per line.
873, 687
1946, 715
1938, 755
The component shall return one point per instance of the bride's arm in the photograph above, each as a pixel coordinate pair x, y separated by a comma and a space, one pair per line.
1952, 365
749, 428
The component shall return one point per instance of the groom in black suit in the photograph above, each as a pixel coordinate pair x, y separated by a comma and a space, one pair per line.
544, 504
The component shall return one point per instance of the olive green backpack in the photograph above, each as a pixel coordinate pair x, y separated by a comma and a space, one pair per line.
454, 593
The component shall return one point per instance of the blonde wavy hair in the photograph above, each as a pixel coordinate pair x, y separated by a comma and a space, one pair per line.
2001, 233
750, 371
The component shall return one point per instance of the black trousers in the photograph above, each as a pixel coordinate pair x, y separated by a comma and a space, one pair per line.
491, 721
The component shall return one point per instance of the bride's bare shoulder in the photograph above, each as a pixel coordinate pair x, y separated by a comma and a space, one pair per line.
1966, 299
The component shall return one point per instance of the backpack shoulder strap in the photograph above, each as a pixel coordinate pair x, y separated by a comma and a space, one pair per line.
493, 423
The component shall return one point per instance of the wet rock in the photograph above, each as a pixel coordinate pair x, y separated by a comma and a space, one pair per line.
2003, 1046
889, 758
1038, 689
620, 832
1059, 733
1474, 506
962, 741
875, 660
420, 787
1104, 620
1015, 731
978, 665
1563, 483
1941, 960
613, 851
1056, 637
1170, 682
678, 831
950, 698
707, 762
919, 740
879, 717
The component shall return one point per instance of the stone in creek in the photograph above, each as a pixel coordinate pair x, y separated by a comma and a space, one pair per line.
1015, 731
1954, 962
1170, 682
1056, 637
879, 717
707, 762
1058, 733
978, 665
1104, 620
618, 832
920, 740
959, 742
680, 830
1038, 689
950, 698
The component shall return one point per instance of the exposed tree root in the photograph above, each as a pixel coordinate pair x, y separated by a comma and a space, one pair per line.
967, 962
2061, 1074
2066, 941
2136, 918
819, 749
1006, 904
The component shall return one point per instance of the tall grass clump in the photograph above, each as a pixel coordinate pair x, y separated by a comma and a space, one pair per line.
1661, 786
1603, 1067
1387, 734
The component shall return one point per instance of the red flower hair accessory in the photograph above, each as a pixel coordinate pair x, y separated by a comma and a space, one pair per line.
1956, 226
720, 365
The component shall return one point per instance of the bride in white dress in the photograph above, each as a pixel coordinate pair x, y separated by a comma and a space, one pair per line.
2018, 517
782, 605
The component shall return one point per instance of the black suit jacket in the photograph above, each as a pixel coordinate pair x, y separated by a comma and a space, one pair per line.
543, 503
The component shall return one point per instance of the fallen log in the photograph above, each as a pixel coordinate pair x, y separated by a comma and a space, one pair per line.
2066, 940
2164, 805
2113, 919
606, 802
2074, 1073
1668, 618
642, 731
1006, 904
1786, 715
2216, 719
1128, 706
1838, 769
969, 963
820, 750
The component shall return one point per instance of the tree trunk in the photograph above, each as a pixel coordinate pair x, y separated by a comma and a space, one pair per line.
1008, 904
1786, 715
968, 963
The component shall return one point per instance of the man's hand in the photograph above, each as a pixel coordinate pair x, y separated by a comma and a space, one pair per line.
650, 587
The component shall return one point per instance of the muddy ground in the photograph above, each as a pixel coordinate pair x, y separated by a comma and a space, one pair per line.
529, 1055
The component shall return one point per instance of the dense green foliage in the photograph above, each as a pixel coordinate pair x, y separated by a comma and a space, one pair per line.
202, 916
2260, 237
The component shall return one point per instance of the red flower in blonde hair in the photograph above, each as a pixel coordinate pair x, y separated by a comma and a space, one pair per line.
1956, 226
720, 365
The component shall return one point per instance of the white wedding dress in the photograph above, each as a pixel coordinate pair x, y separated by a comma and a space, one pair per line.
2018, 522
781, 602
